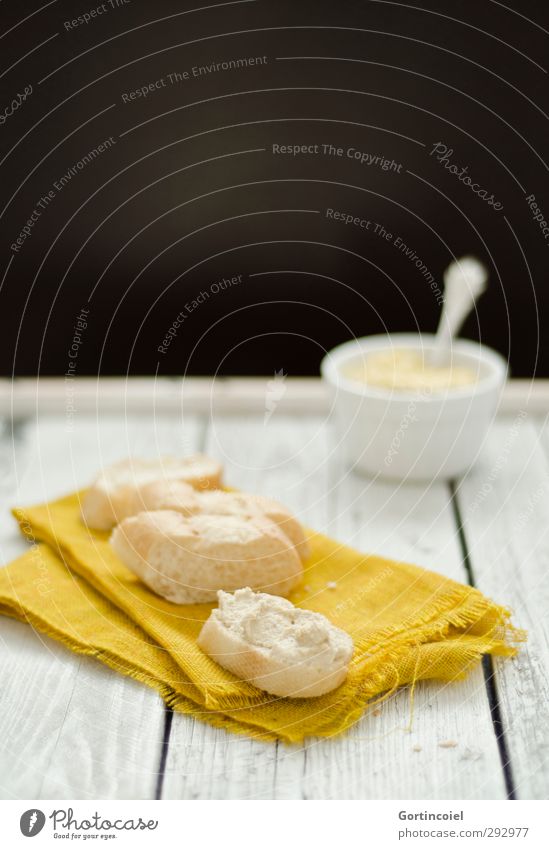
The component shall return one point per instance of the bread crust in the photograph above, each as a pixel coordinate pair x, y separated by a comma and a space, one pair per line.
118, 490
188, 559
178, 496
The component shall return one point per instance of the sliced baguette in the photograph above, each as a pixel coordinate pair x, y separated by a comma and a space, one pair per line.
279, 648
174, 495
116, 493
188, 559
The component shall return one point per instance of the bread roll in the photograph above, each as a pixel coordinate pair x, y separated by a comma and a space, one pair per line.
188, 559
117, 491
277, 647
174, 495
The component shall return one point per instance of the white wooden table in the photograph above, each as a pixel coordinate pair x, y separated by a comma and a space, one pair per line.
71, 728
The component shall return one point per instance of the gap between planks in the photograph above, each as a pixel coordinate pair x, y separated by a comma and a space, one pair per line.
487, 663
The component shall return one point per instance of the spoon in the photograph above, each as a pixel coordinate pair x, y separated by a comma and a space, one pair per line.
464, 282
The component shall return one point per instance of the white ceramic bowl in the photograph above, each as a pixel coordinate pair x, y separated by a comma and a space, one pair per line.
403, 435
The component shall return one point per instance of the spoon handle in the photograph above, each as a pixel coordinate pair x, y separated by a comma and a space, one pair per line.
464, 281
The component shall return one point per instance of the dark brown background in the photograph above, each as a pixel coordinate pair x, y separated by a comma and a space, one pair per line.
138, 232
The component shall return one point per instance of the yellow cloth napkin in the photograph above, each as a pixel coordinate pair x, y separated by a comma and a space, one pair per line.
407, 624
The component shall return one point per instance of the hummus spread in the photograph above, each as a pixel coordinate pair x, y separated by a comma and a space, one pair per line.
408, 371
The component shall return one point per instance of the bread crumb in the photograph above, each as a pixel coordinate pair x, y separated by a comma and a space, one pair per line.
307, 588
331, 585
416, 748
447, 744
376, 712
470, 754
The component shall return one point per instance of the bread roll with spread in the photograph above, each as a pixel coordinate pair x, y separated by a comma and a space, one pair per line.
282, 649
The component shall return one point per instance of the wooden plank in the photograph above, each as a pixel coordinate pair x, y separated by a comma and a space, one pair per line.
70, 727
290, 459
505, 509
392, 753
199, 395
